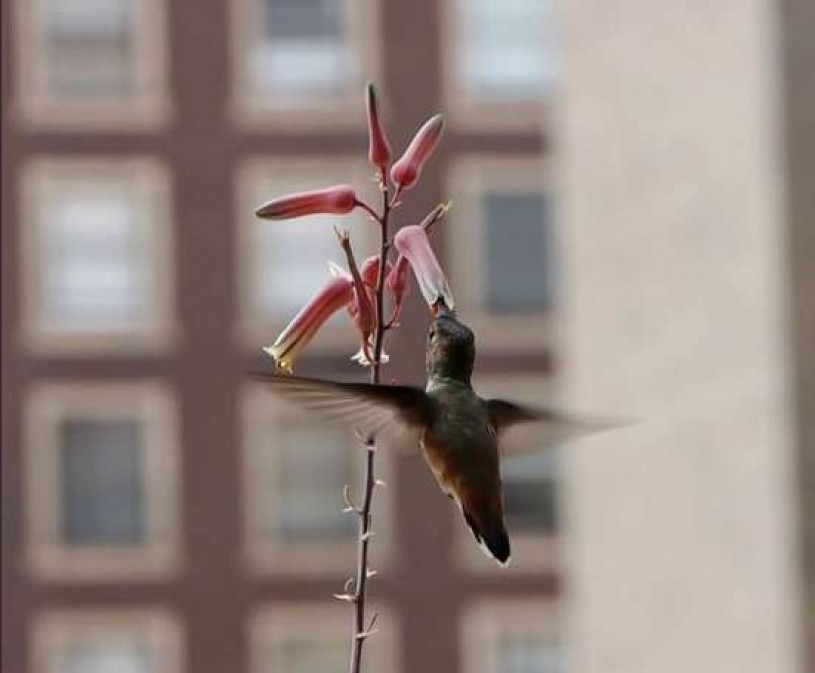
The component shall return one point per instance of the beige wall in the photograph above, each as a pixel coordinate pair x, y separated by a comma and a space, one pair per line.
683, 526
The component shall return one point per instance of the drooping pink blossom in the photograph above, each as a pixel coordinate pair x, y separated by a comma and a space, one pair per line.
337, 200
413, 243
406, 171
334, 296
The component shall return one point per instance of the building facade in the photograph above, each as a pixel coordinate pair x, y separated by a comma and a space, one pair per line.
161, 513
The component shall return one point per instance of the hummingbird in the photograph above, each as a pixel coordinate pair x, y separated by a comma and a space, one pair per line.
459, 432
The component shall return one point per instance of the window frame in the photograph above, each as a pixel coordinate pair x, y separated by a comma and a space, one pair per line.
468, 179
251, 110
46, 556
148, 108
54, 630
532, 553
274, 621
269, 556
43, 176
468, 112
254, 331
484, 621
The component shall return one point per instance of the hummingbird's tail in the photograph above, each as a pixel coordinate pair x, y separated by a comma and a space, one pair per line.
490, 535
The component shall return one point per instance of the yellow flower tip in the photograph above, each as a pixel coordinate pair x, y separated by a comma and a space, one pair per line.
284, 365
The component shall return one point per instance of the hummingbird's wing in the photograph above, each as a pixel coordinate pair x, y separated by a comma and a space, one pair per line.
553, 427
373, 410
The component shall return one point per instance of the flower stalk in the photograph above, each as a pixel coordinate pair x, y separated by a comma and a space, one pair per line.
363, 512
361, 291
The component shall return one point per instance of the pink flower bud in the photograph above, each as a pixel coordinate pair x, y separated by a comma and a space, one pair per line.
412, 242
405, 172
397, 283
338, 200
370, 271
336, 294
379, 149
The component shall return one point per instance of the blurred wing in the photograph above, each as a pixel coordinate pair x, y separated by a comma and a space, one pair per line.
552, 427
373, 410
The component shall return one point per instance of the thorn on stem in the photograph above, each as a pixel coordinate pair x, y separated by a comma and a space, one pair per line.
367, 535
380, 482
346, 598
371, 573
367, 634
350, 506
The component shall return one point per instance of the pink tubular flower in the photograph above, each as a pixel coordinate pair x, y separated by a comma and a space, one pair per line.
397, 283
379, 149
406, 171
338, 200
337, 294
412, 243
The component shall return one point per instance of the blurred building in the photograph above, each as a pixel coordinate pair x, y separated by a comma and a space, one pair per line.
163, 514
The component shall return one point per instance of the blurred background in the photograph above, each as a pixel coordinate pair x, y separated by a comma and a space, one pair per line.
632, 235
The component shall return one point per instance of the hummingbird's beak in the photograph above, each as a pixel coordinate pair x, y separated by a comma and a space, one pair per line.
412, 242
440, 309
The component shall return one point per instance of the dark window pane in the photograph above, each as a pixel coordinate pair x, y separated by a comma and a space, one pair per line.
531, 505
303, 19
530, 490
518, 264
314, 466
101, 482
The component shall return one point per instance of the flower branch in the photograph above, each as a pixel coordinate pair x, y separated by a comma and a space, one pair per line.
361, 291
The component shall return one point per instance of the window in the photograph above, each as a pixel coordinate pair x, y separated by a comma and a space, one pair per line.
528, 654
512, 636
89, 63
303, 638
97, 254
303, 60
106, 641
285, 263
88, 47
102, 492
502, 249
101, 481
517, 260
531, 479
499, 56
530, 491
295, 471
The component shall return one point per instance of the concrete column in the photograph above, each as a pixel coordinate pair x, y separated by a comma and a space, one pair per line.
683, 527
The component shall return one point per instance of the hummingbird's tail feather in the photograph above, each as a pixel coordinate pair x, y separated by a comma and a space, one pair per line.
493, 540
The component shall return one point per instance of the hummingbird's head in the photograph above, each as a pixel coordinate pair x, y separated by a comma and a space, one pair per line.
450, 348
